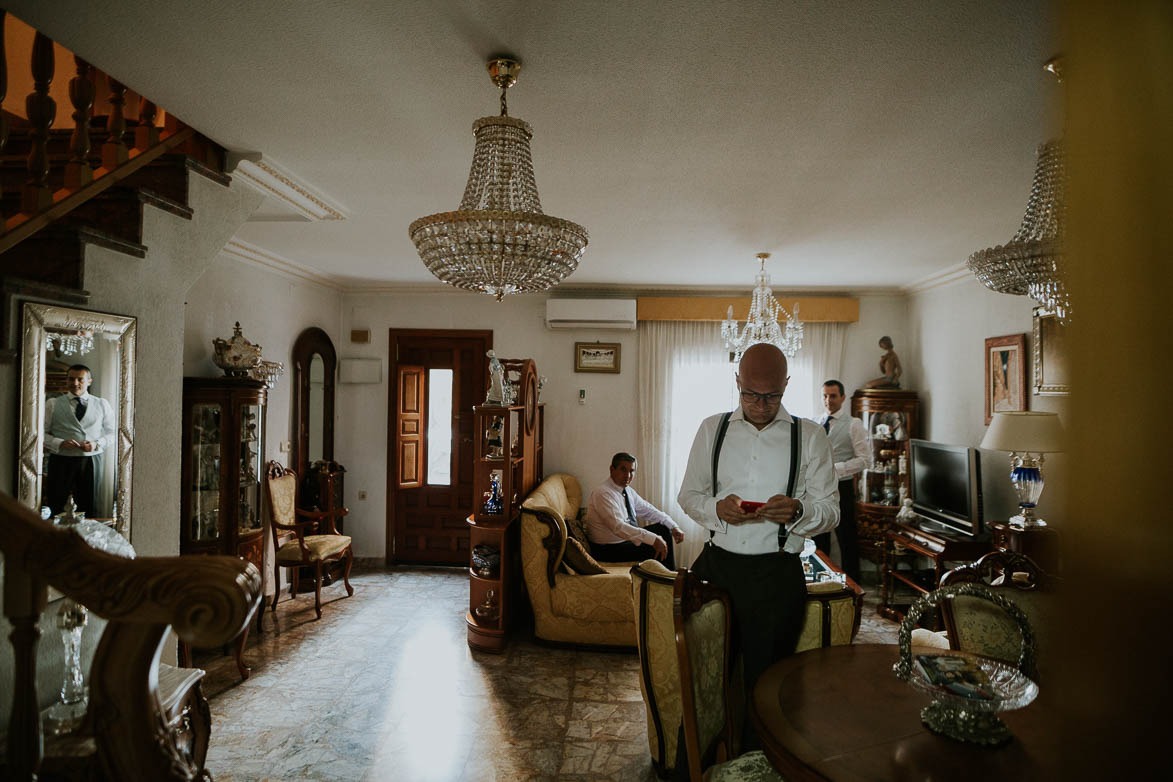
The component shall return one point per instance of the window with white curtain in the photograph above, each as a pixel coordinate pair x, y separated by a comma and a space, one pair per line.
684, 377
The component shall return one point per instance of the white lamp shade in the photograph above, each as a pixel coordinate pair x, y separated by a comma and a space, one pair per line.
1034, 432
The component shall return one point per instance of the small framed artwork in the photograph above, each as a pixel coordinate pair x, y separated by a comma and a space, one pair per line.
596, 357
1049, 351
1005, 374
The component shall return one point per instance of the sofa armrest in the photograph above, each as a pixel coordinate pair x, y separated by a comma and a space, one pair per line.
554, 541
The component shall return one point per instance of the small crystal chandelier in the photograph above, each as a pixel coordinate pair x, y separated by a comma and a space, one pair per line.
762, 323
1032, 263
499, 241
68, 343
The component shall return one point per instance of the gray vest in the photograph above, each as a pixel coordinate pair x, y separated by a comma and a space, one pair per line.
64, 424
840, 435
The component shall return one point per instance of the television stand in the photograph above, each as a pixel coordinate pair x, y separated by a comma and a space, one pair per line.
902, 580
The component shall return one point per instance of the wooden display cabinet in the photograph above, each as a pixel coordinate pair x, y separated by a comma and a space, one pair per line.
891, 418
906, 548
507, 451
223, 454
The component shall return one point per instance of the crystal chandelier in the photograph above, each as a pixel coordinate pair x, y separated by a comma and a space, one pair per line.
68, 343
762, 323
1031, 263
499, 241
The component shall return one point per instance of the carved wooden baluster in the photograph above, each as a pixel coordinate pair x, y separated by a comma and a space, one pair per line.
41, 110
146, 135
81, 95
24, 600
3, 94
114, 151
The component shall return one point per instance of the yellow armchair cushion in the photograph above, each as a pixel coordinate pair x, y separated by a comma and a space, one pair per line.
601, 598
705, 632
283, 492
658, 647
320, 547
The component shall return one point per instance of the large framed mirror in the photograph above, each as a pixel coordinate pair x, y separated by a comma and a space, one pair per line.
315, 365
77, 412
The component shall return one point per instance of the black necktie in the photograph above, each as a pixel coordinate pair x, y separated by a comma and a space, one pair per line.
827, 425
630, 512
81, 408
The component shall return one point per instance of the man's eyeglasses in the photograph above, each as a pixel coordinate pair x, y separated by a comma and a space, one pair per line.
749, 397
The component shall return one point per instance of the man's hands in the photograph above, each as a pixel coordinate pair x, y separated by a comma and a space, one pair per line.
86, 446
779, 509
677, 535
661, 547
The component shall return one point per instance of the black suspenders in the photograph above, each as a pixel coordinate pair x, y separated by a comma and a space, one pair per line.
795, 442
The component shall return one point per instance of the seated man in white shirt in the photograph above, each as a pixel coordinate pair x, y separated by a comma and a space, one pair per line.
614, 517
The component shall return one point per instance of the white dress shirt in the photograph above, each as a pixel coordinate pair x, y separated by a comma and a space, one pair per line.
61, 424
607, 516
755, 465
849, 444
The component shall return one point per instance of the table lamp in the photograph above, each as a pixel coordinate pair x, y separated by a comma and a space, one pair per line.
1027, 436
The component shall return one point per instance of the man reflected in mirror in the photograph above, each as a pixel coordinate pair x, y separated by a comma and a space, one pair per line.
79, 429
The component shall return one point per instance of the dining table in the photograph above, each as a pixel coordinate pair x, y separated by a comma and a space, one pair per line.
840, 713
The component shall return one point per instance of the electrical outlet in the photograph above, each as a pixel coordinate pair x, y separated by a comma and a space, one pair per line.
362, 495
286, 446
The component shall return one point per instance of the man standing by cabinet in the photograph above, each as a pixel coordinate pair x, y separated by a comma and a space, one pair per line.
79, 429
849, 448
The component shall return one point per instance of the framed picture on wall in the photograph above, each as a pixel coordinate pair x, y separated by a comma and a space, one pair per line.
596, 357
1005, 374
1049, 351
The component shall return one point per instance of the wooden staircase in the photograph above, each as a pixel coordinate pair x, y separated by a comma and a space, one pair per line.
62, 190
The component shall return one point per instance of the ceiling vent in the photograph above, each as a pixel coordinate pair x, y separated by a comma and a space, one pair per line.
590, 314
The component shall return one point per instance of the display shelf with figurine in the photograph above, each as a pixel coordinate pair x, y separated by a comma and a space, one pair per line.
506, 467
891, 417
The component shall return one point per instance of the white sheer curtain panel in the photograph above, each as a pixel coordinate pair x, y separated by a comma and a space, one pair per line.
820, 360
684, 377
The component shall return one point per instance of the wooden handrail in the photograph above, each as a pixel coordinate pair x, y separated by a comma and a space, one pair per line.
207, 600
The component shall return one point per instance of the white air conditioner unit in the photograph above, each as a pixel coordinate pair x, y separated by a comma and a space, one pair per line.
590, 313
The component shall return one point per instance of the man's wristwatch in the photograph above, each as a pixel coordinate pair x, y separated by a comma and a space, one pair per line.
798, 513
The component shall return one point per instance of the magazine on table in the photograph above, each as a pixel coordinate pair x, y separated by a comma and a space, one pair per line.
958, 675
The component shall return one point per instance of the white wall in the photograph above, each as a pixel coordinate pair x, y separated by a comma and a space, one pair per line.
880, 315
948, 328
580, 439
273, 309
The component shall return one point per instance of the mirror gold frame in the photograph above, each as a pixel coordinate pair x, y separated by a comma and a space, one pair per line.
36, 321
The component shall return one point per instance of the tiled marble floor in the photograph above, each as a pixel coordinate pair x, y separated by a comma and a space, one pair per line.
385, 687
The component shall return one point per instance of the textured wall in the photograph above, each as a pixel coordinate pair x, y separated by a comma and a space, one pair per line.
151, 289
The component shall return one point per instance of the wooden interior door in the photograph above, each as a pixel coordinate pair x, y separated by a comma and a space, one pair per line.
426, 520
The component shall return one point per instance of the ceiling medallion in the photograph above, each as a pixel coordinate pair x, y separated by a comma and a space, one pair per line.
499, 242
762, 323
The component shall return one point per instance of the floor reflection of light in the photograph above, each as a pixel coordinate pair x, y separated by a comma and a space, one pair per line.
430, 724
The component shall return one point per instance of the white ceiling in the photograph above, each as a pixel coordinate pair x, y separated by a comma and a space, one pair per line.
865, 144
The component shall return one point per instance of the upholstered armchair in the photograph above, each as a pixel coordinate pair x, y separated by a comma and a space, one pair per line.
315, 540
976, 625
575, 599
683, 628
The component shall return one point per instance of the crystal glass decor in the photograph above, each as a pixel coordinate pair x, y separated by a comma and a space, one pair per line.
499, 241
761, 325
204, 523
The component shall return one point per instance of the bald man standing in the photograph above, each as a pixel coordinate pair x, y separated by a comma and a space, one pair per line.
760, 453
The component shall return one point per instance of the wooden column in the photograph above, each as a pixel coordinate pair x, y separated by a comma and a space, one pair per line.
81, 95
115, 151
3, 94
146, 135
41, 110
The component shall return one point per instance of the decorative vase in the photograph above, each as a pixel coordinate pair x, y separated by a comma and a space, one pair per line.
236, 356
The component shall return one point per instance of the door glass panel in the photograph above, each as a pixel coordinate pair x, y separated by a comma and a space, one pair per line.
250, 468
204, 523
440, 427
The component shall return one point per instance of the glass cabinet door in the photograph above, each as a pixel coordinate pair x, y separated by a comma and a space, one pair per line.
204, 522
249, 486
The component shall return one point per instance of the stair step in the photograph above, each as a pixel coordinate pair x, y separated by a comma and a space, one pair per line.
56, 255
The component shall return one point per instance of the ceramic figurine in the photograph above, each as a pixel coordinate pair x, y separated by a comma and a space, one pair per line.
236, 356
496, 393
890, 369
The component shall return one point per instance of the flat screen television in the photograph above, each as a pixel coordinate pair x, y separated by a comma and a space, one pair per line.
946, 485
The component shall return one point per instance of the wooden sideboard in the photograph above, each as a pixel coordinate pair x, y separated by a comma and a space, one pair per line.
902, 581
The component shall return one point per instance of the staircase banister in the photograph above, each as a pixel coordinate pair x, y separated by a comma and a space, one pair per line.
207, 600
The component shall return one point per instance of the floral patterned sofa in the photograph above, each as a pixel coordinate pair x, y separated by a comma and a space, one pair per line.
569, 605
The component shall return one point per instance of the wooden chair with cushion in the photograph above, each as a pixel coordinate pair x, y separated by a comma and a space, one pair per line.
316, 540
683, 626
976, 625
